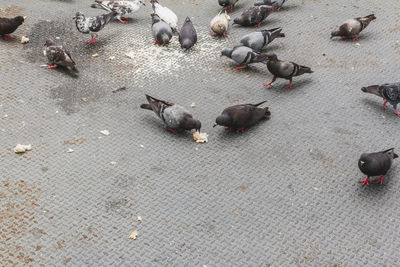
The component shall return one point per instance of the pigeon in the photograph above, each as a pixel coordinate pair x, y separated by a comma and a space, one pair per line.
258, 40
57, 55
284, 69
162, 32
219, 24
390, 92
243, 56
187, 35
351, 28
376, 164
93, 24
253, 16
175, 117
8, 26
165, 14
240, 117
122, 7
276, 4
227, 4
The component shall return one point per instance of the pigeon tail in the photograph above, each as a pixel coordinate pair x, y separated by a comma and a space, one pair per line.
100, 6
260, 3
260, 58
304, 69
146, 106
267, 112
276, 33
74, 69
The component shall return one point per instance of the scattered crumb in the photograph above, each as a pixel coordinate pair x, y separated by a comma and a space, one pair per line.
95, 55
22, 148
200, 137
113, 163
105, 132
133, 235
70, 150
139, 219
193, 105
24, 40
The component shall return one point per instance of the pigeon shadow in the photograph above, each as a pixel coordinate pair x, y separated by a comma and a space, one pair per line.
364, 37
377, 106
67, 72
234, 134
162, 128
296, 85
374, 189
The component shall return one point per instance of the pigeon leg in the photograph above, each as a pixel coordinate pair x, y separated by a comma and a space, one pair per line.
229, 9
228, 128
52, 67
240, 67
240, 130
156, 42
384, 104
224, 35
93, 40
290, 84
214, 34
355, 38
278, 9
365, 182
257, 25
123, 21
344, 37
397, 112
6, 37
172, 130
126, 18
271, 83
380, 180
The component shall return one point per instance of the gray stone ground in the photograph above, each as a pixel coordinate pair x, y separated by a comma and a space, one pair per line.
283, 193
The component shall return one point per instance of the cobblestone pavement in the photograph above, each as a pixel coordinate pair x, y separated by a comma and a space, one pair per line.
286, 192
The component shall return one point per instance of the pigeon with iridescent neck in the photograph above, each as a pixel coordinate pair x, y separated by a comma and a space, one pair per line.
57, 55
243, 56
351, 28
390, 92
253, 16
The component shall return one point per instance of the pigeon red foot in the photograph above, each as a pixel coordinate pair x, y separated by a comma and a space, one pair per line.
156, 42
268, 84
228, 128
6, 37
380, 180
397, 112
365, 182
355, 38
240, 130
257, 25
384, 104
92, 41
172, 130
289, 85
229, 9
240, 67
123, 21
52, 67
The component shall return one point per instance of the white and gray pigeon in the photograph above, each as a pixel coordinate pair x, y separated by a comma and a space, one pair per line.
227, 4
351, 28
187, 34
276, 4
284, 69
259, 40
57, 55
175, 117
219, 24
165, 14
122, 7
162, 32
253, 16
93, 24
390, 92
243, 56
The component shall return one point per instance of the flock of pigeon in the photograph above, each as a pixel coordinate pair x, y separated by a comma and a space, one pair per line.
249, 50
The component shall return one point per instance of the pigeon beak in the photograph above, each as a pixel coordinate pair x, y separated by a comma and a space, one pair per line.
362, 162
143, 4
214, 125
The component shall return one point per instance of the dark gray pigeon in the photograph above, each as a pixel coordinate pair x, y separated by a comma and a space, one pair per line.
258, 40
8, 26
390, 92
276, 4
240, 117
284, 69
376, 164
253, 16
162, 32
57, 55
93, 24
227, 4
187, 35
243, 56
351, 28
175, 117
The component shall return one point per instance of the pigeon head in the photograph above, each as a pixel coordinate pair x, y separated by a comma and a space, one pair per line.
155, 17
363, 162
48, 43
186, 44
238, 20
187, 19
20, 20
78, 15
223, 120
226, 52
191, 123
272, 57
142, 3
373, 89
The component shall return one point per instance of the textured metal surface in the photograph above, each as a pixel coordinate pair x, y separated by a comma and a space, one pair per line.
283, 193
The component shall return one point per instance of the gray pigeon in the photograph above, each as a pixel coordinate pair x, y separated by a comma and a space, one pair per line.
240, 117
376, 164
351, 28
227, 4
284, 69
253, 16
175, 117
243, 56
9, 25
276, 4
93, 24
187, 35
390, 92
162, 32
57, 55
258, 40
